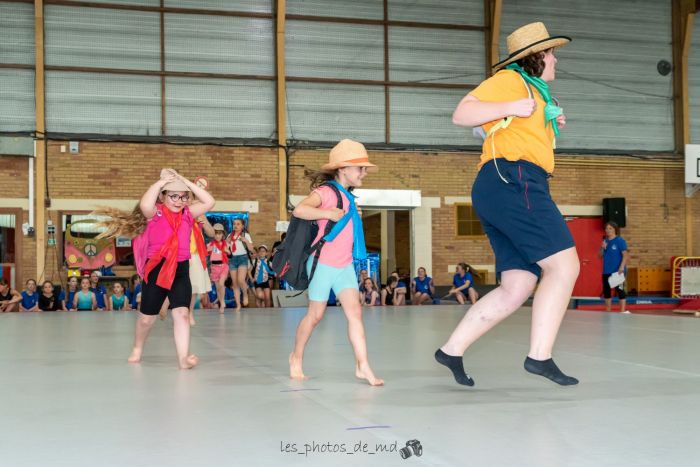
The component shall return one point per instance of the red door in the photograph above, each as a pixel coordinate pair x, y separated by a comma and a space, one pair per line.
588, 235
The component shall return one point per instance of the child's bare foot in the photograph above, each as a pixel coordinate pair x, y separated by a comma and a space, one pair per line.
221, 309
245, 300
189, 362
135, 356
238, 307
192, 323
365, 372
295, 371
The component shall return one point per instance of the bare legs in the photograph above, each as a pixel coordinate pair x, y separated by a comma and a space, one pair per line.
420, 298
240, 286
221, 294
144, 323
608, 304
259, 298
356, 333
190, 311
516, 286
263, 298
559, 273
242, 274
181, 330
306, 326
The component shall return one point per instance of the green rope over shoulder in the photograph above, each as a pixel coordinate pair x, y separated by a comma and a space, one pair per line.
551, 110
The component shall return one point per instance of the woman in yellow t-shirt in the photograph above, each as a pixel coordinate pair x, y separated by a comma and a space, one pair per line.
511, 197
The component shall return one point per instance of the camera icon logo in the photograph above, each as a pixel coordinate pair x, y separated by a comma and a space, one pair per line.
412, 447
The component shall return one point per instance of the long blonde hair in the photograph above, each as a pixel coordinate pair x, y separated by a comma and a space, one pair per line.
121, 223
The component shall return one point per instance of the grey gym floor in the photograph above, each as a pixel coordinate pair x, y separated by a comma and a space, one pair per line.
70, 399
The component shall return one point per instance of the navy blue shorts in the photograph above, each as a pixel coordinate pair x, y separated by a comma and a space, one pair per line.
519, 217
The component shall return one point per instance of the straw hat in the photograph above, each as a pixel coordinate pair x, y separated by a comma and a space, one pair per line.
219, 228
348, 153
175, 185
530, 39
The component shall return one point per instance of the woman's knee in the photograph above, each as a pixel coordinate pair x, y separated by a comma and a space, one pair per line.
518, 285
564, 265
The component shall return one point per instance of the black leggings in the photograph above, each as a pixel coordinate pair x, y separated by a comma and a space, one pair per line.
619, 290
153, 296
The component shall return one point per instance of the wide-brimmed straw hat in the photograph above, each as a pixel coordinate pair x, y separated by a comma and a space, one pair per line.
175, 185
219, 228
348, 153
530, 39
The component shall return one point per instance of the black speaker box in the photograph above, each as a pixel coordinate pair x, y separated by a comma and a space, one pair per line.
614, 211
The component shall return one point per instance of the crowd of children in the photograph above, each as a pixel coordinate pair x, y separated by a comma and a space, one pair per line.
87, 294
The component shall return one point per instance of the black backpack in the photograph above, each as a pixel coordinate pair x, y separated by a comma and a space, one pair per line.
289, 262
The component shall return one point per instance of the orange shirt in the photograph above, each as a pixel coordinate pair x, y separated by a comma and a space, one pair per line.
525, 138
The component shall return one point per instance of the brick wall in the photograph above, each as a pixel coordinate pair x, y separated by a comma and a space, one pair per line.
655, 196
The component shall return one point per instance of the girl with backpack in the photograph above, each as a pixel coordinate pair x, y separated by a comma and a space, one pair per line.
162, 224
240, 244
348, 164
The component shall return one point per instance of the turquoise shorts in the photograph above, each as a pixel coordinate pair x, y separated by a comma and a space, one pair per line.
327, 278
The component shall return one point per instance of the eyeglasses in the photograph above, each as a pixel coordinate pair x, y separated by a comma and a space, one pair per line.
174, 198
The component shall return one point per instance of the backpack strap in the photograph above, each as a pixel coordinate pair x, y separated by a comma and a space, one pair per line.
315, 249
503, 123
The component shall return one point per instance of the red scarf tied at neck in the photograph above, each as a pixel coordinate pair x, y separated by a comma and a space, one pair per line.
221, 246
166, 276
201, 246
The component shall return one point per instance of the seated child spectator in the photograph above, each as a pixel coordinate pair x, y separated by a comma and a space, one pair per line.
48, 301
118, 301
361, 281
30, 297
389, 291
369, 295
9, 297
401, 290
229, 295
136, 281
423, 288
99, 290
69, 294
84, 299
463, 285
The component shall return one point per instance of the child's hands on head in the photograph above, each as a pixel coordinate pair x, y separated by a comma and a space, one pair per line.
168, 175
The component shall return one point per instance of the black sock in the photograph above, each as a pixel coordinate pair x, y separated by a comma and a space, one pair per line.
456, 366
549, 369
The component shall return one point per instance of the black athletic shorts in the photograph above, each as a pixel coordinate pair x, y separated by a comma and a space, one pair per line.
180, 294
262, 285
